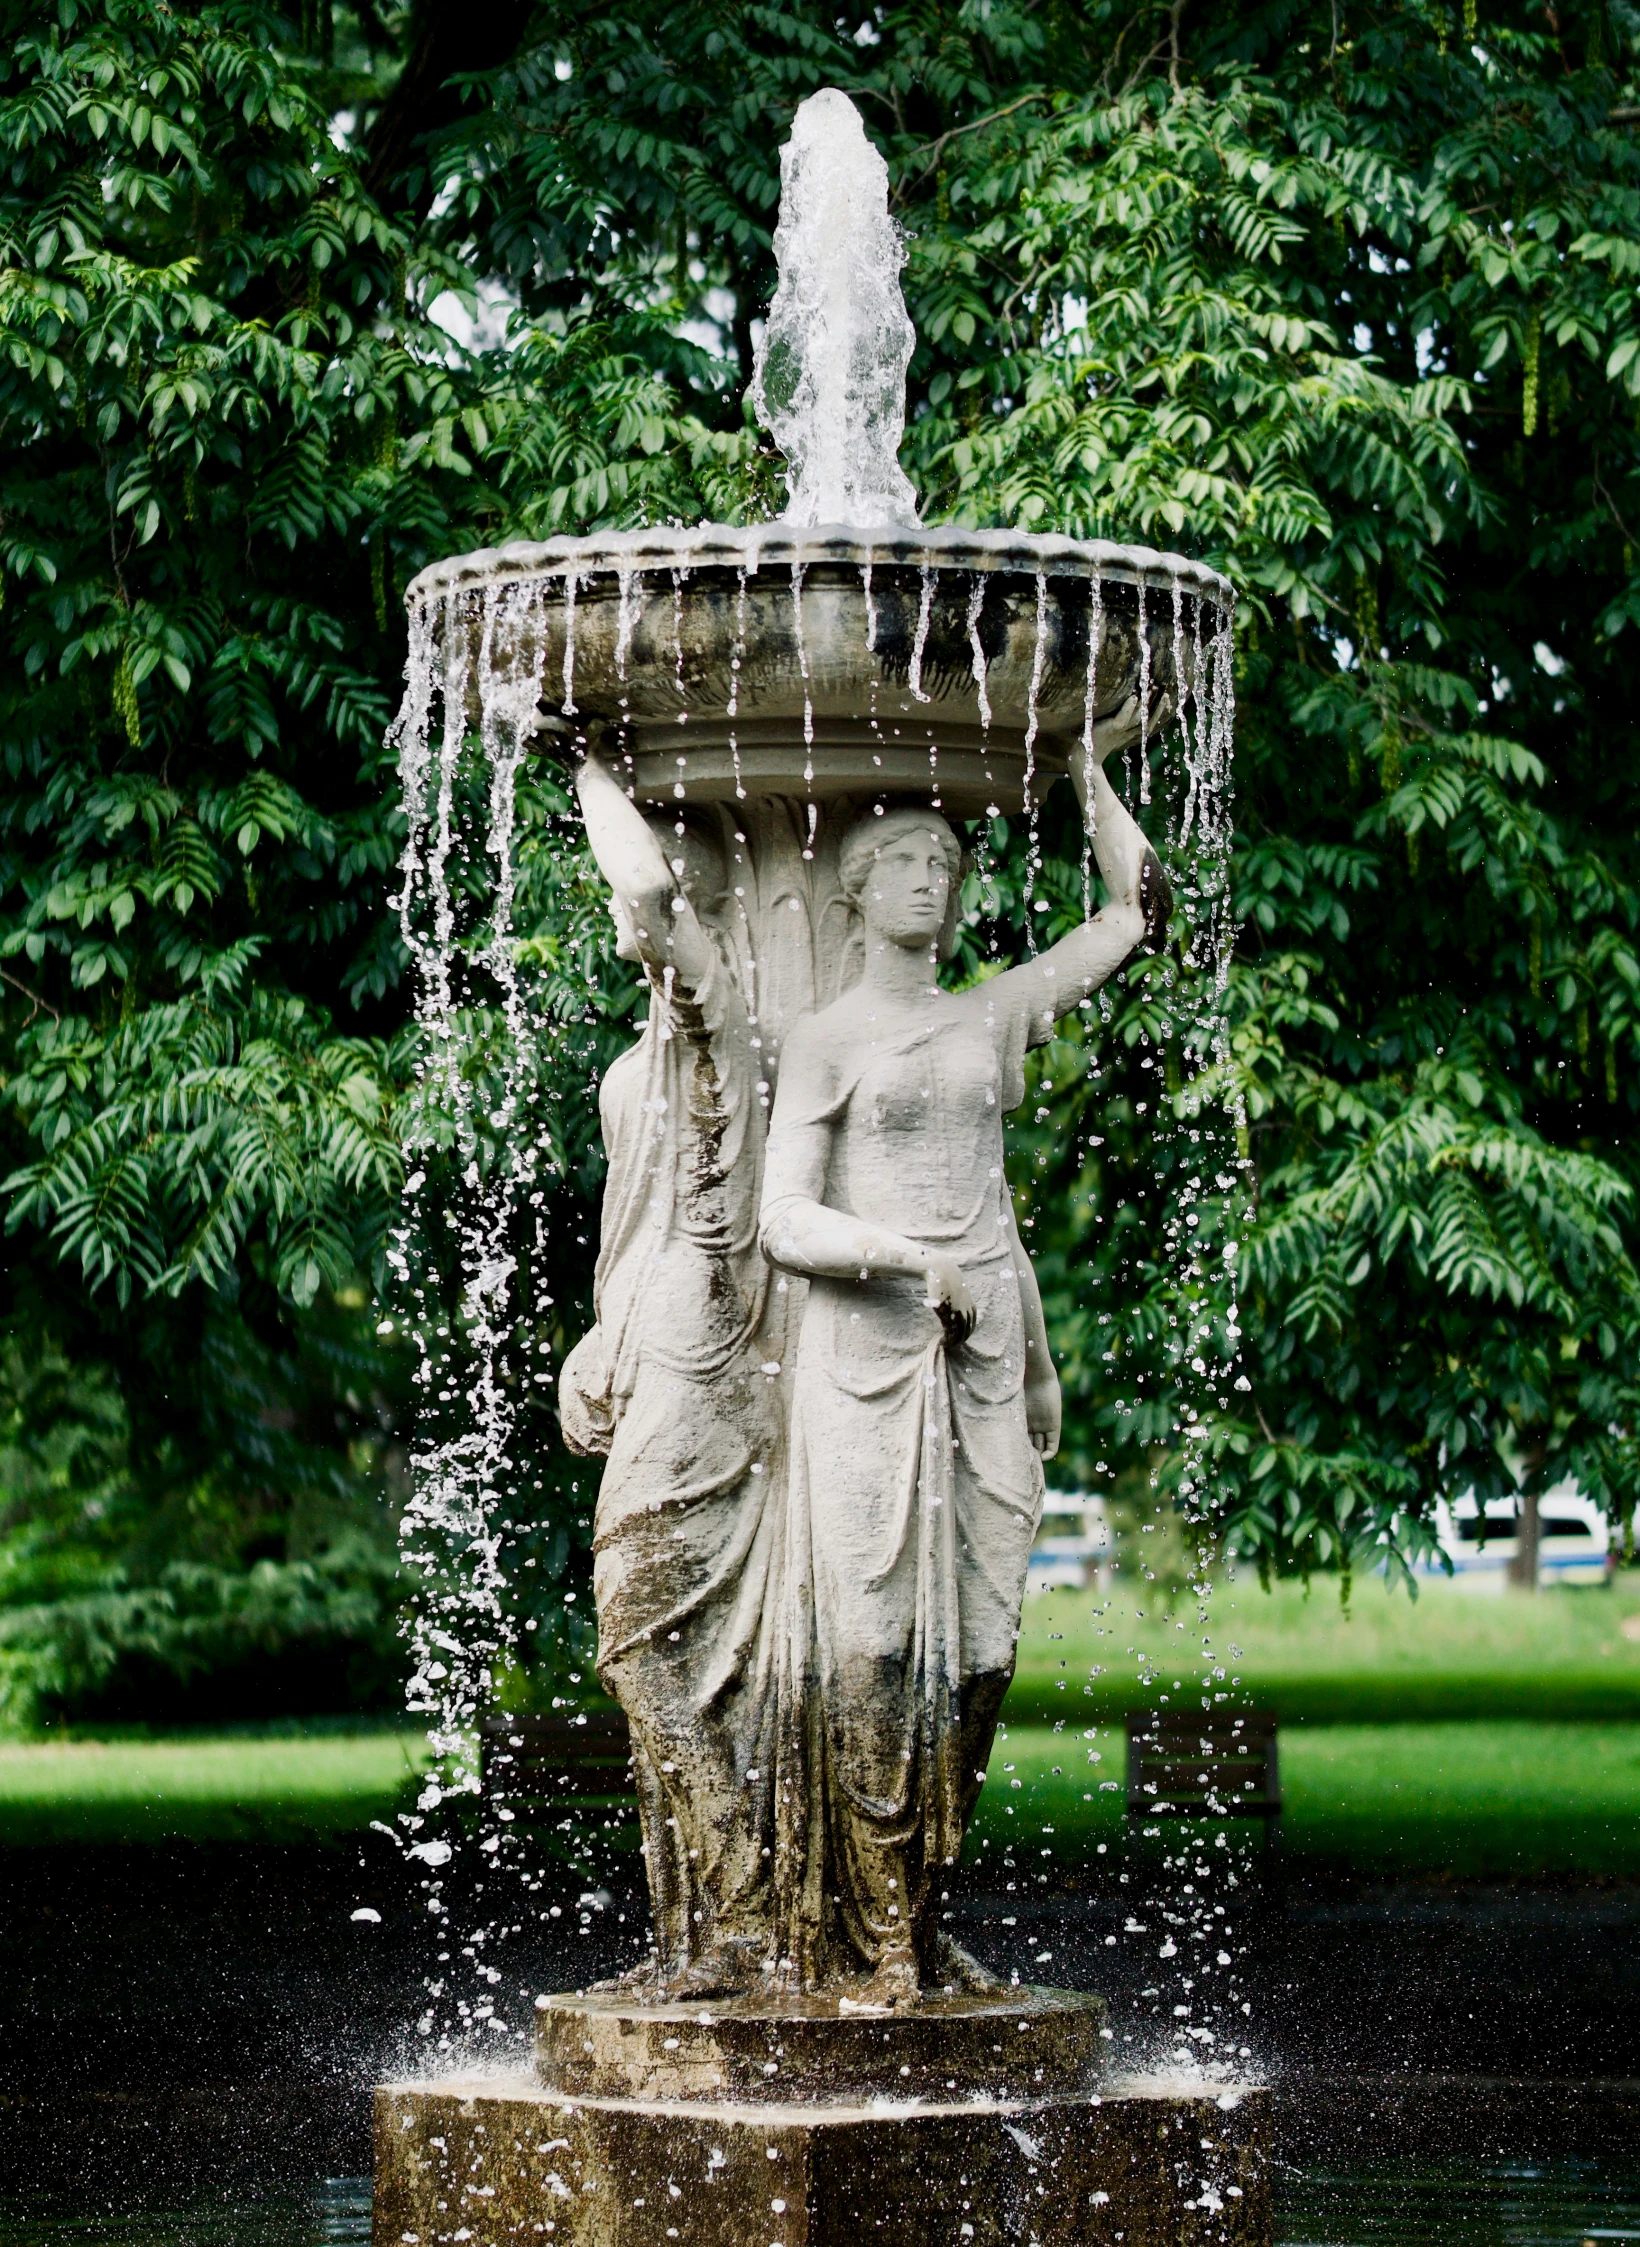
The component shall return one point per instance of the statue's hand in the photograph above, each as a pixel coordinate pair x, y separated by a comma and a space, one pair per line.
1042, 1411
948, 1296
592, 764
1122, 729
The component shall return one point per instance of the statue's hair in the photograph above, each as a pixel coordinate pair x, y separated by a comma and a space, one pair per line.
858, 851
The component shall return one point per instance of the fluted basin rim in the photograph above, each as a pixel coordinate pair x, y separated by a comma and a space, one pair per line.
943, 546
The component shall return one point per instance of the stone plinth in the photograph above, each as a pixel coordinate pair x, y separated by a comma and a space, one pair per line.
674, 2131
1027, 2043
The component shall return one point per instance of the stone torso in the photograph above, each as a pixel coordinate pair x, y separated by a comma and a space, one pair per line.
917, 1121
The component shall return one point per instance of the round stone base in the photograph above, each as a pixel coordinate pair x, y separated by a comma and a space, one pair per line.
1020, 2043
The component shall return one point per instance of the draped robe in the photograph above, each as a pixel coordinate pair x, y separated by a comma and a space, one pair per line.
670, 1384
914, 1491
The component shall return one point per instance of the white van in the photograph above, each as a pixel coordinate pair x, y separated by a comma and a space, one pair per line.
1074, 1544
1481, 1537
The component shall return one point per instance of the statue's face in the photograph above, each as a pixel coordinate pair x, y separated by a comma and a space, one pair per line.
907, 891
626, 943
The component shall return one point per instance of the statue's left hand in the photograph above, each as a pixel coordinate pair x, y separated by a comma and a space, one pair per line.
949, 1298
1042, 1412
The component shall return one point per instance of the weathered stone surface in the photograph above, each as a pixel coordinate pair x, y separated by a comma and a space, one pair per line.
797, 676
1028, 2043
924, 1396
502, 2162
820, 1373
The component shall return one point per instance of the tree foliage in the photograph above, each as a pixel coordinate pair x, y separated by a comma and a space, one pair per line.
1340, 299
199, 401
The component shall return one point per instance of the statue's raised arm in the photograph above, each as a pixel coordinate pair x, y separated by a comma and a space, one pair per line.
924, 1394
656, 916
1137, 905
668, 1385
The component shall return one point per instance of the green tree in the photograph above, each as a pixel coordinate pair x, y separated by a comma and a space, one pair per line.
1341, 300
231, 433
198, 411
1303, 319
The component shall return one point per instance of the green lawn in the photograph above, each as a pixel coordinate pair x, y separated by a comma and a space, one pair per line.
1463, 1732
1482, 1798
1385, 1659
232, 1789
1477, 1799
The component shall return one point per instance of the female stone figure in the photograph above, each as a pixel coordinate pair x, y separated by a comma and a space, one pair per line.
923, 1390
669, 1384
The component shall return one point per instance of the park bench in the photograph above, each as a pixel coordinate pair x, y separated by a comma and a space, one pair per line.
1190, 1764
536, 1765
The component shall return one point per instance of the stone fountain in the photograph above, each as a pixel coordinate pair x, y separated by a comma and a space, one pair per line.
819, 1380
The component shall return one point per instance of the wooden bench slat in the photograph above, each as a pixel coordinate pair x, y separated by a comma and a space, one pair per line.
1199, 1741
1193, 1765
1204, 1806
539, 1761
1205, 1767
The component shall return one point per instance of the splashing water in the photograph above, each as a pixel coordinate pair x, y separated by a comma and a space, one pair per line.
1090, 694
976, 647
803, 667
737, 657
571, 588
1033, 836
456, 1295
829, 381
1144, 701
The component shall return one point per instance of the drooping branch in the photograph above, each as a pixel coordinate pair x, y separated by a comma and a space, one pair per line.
932, 150
39, 1003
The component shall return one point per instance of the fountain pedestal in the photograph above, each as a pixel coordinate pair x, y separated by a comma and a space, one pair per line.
807, 2125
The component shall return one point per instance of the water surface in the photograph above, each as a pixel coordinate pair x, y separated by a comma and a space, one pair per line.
1460, 2204
333, 2214
1448, 2204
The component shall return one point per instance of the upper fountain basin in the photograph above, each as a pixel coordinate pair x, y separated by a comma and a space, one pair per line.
830, 661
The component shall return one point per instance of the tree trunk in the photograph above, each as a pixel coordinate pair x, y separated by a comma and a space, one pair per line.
1523, 1569
447, 40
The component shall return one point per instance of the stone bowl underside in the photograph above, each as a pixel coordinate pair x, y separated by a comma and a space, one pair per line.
824, 663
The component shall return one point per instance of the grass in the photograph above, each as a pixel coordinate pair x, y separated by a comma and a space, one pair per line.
1449, 1654
1481, 1798
237, 1788
1477, 1799
1482, 1735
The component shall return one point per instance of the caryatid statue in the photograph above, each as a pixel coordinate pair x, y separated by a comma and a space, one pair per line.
823, 1380
670, 1385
